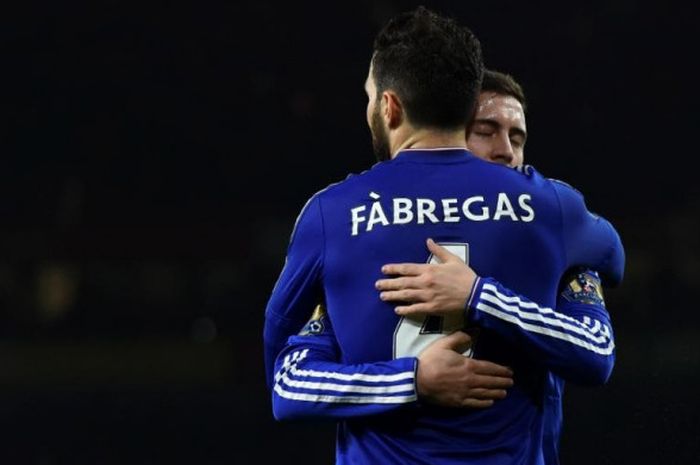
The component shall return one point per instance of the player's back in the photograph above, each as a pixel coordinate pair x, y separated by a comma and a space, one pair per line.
507, 225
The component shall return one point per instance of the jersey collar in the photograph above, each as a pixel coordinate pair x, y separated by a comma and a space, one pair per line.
433, 155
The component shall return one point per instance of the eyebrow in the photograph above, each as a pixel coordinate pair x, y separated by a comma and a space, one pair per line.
495, 124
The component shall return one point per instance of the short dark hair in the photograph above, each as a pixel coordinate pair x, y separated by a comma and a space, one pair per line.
504, 84
433, 64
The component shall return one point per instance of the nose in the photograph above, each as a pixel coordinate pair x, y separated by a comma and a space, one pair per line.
502, 150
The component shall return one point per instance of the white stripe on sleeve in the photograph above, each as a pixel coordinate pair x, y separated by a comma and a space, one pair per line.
541, 320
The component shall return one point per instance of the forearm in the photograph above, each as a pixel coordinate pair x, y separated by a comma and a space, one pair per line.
577, 344
310, 383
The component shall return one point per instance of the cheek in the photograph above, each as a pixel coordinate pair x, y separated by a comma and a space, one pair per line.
518, 158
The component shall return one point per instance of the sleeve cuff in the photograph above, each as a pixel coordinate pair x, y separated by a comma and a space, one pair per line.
415, 376
474, 297
408, 364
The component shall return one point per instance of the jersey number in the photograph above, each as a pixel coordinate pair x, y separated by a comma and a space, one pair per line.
415, 333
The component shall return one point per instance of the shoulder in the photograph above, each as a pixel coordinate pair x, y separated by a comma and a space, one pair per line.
351, 182
528, 176
559, 194
531, 174
570, 198
564, 187
566, 193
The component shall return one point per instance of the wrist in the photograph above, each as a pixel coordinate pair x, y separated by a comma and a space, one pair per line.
473, 298
417, 385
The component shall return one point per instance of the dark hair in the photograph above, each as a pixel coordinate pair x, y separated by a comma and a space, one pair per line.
504, 84
433, 64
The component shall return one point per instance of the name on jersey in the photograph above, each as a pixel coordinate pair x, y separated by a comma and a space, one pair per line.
405, 210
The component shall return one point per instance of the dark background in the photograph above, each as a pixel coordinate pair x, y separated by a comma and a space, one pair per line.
155, 156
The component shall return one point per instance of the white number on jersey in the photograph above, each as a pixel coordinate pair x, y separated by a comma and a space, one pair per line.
415, 333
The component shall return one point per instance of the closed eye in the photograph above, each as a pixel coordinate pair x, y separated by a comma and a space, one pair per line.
517, 138
485, 127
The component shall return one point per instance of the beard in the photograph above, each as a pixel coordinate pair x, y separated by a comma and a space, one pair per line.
380, 138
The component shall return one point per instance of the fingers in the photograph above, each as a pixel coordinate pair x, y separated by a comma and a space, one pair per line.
488, 394
490, 382
476, 403
484, 367
457, 341
415, 269
404, 295
420, 308
440, 252
403, 269
394, 284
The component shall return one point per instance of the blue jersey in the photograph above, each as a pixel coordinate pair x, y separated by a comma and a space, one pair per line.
312, 382
523, 230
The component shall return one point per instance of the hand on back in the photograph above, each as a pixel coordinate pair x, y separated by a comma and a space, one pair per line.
430, 289
447, 378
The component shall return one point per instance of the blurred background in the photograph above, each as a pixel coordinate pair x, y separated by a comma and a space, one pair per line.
154, 159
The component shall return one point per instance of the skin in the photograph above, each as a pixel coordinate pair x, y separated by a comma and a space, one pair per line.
447, 378
391, 128
499, 132
498, 135
444, 376
429, 289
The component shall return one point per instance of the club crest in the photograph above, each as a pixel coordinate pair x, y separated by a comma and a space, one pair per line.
585, 288
315, 324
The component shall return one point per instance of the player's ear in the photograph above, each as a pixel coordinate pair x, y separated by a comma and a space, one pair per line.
392, 109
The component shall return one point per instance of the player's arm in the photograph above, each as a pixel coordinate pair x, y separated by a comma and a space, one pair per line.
312, 382
574, 340
298, 287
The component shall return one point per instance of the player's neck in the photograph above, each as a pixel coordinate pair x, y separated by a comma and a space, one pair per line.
429, 139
